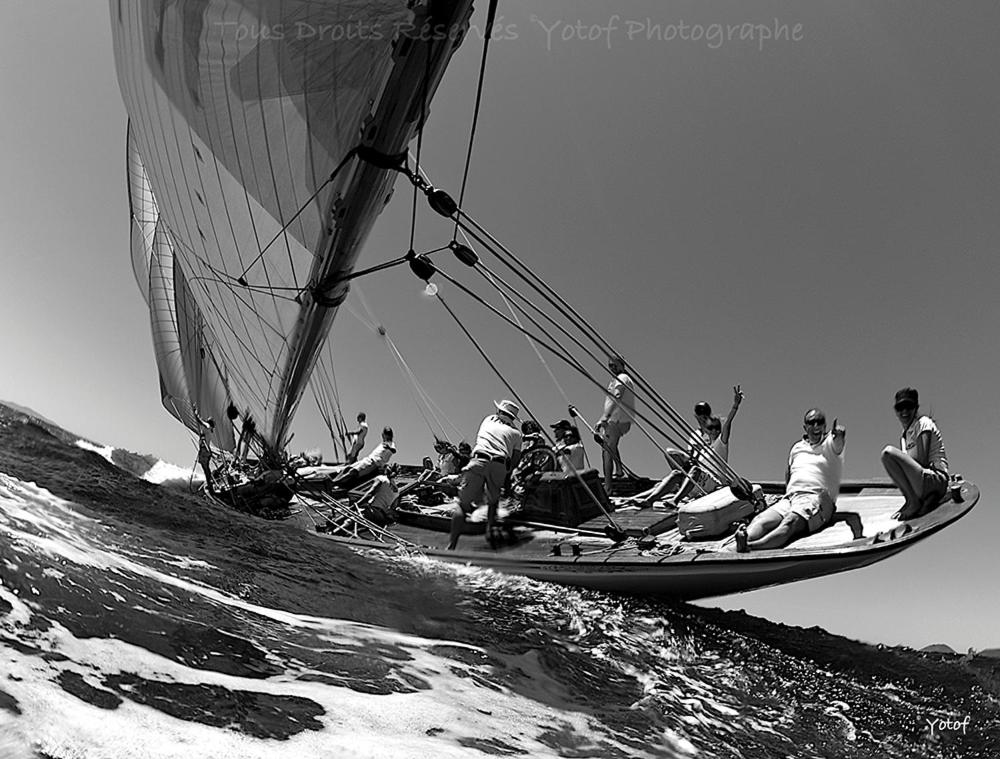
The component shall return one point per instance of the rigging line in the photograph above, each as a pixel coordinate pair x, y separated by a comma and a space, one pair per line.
560, 353
431, 405
679, 423
561, 328
534, 347
556, 300
510, 307
491, 15
482, 352
404, 366
416, 392
376, 326
353, 312
673, 428
321, 404
579, 367
492, 244
350, 154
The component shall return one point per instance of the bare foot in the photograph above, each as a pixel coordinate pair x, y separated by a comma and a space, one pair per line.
741, 540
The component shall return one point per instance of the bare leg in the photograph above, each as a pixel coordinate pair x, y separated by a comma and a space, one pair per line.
666, 488
909, 478
608, 460
457, 525
789, 528
646, 497
769, 519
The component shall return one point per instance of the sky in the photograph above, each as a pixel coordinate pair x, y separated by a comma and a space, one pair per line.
801, 198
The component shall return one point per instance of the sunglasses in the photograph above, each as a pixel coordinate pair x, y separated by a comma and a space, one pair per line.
907, 406
815, 422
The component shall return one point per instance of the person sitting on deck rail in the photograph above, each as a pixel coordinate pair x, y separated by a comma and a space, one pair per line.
497, 450
919, 467
616, 418
812, 484
673, 488
353, 475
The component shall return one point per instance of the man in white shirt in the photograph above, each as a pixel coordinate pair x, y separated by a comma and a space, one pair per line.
812, 484
497, 451
616, 419
379, 502
355, 474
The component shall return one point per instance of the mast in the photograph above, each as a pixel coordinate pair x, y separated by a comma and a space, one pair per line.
419, 60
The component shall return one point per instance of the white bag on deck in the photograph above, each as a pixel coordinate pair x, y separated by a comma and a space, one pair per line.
712, 515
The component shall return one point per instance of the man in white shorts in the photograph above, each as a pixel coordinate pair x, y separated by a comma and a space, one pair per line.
812, 484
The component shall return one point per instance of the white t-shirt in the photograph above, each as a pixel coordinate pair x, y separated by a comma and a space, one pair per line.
379, 456
384, 494
621, 393
936, 457
570, 457
815, 467
495, 438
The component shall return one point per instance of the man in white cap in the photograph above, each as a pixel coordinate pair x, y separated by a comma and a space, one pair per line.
497, 451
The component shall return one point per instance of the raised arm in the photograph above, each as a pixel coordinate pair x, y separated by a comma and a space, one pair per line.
727, 425
839, 434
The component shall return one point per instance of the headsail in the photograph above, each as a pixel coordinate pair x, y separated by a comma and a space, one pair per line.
247, 114
192, 384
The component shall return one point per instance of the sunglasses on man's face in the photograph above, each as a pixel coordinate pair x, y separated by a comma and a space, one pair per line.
815, 422
904, 406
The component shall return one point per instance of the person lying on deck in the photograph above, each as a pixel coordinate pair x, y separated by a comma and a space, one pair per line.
683, 461
673, 488
812, 484
355, 474
919, 467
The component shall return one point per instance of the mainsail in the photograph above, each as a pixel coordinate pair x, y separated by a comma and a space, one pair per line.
246, 120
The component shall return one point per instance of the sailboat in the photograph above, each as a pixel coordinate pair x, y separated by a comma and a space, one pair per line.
264, 139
